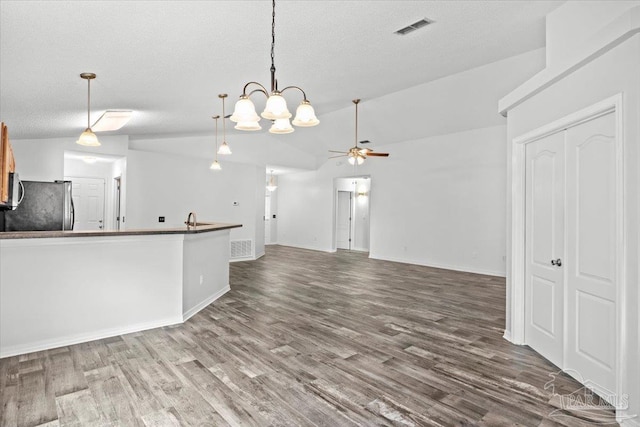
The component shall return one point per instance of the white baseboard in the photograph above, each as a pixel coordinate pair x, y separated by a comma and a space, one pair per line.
80, 338
310, 248
192, 311
464, 269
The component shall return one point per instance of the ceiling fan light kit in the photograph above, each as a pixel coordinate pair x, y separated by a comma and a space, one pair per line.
357, 155
88, 138
276, 107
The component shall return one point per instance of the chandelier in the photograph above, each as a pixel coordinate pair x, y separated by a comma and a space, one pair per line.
276, 108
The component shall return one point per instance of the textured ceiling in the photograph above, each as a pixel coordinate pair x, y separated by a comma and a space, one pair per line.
168, 60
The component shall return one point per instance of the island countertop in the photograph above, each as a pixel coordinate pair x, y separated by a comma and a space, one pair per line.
200, 227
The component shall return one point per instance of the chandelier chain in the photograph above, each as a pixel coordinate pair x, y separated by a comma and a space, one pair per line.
273, 44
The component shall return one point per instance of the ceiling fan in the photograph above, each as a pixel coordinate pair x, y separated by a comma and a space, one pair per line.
357, 154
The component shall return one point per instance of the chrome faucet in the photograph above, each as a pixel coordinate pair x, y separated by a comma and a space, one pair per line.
191, 223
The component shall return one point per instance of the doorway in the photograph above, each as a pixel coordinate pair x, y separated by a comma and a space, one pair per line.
351, 213
117, 183
88, 200
344, 221
569, 276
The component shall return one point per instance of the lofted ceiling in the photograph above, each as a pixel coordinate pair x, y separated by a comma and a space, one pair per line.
168, 60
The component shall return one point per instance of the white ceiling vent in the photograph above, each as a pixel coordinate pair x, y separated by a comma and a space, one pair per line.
409, 28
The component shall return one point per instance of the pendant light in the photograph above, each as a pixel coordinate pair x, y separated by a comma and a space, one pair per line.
276, 108
224, 148
271, 186
88, 138
216, 165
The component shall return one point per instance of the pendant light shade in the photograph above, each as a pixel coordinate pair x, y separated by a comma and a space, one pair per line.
224, 148
276, 107
248, 126
245, 111
215, 165
88, 138
305, 115
281, 126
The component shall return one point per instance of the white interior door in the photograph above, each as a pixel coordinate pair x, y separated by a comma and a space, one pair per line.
88, 200
545, 246
591, 244
343, 222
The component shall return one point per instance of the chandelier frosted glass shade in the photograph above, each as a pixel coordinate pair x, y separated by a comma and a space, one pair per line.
88, 139
305, 115
244, 111
215, 166
224, 149
281, 126
250, 126
276, 108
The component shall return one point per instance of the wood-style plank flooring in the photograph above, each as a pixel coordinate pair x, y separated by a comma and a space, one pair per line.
304, 338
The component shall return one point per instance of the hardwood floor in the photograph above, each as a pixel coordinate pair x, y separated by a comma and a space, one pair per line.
304, 338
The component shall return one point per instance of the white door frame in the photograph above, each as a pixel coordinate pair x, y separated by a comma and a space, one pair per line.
518, 243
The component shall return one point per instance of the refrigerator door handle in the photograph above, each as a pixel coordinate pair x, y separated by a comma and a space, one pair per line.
22, 192
73, 214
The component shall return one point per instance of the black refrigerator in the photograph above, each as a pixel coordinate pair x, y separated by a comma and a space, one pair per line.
45, 206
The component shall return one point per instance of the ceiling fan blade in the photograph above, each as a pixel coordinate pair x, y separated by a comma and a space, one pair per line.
335, 157
378, 154
341, 152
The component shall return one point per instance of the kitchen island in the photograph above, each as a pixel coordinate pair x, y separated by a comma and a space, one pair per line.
60, 288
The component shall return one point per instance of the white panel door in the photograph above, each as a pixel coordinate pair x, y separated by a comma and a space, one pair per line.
88, 201
343, 222
545, 245
591, 252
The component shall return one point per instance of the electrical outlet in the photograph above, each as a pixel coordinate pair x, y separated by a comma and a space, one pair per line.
160, 219
201, 279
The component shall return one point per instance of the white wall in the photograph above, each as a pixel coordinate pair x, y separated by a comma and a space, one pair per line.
166, 185
43, 159
436, 201
573, 23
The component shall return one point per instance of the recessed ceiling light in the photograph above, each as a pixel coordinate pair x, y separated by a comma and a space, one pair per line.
112, 120
418, 24
89, 159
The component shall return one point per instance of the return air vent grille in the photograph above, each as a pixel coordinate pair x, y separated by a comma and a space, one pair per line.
241, 249
409, 28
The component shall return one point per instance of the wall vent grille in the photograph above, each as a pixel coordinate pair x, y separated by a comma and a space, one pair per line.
241, 249
409, 28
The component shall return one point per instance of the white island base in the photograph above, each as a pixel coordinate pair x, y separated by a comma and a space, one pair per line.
66, 290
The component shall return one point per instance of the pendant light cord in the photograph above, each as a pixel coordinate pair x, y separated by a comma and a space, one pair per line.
217, 139
89, 104
224, 124
274, 83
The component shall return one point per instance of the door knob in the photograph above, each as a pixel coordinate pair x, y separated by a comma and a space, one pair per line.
557, 262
